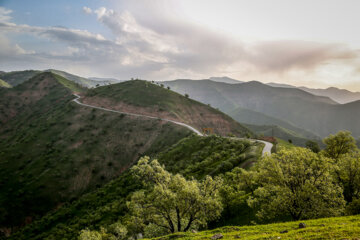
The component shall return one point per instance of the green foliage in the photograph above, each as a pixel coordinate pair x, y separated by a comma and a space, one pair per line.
348, 175
313, 146
106, 205
200, 156
296, 183
90, 235
172, 202
339, 144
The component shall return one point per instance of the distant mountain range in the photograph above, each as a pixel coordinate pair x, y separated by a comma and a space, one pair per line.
319, 115
339, 95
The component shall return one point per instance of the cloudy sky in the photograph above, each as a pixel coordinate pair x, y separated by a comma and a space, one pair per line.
315, 43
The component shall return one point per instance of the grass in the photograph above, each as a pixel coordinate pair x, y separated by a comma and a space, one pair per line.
326, 228
74, 87
4, 84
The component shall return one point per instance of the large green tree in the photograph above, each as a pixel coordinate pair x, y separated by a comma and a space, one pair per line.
296, 183
172, 202
339, 144
348, 174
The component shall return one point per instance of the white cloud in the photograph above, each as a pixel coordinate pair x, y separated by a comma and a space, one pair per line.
87, 10
5, 14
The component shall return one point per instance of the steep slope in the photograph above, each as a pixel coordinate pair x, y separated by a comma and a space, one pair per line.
53, 150
316, 114
146, 98
108, 204
17, 77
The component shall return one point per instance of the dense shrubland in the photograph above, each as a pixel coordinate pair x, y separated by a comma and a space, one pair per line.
107, 205
292, 184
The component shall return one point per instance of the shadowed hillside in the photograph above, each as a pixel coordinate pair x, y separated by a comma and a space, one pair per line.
53, 150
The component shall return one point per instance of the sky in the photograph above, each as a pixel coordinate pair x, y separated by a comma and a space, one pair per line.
314, 43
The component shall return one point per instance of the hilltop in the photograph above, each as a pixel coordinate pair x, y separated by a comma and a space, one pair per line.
53, 150
142, 97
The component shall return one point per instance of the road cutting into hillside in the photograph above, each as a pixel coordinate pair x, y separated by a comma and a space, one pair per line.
266, 149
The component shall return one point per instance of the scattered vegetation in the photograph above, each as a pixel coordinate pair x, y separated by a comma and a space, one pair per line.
150, 99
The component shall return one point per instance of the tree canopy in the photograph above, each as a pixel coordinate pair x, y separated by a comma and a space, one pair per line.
298, 183
339, 144
172, 202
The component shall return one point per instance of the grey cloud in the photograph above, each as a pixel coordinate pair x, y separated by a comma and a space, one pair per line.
285, 55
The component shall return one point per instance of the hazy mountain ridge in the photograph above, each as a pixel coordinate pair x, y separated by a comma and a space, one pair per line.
317, 114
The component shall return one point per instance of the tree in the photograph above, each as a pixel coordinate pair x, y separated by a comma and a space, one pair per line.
339, 144
186, 95
313, 146
296, 183
170, 201
348, 174
115, 231
89, 235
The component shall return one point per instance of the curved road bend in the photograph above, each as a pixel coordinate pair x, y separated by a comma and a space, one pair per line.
266, 149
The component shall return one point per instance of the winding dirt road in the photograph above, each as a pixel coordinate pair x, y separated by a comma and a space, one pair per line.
266, 149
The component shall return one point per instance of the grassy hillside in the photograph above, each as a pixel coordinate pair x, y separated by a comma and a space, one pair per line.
143, 97
17, 77
326, 228
4, 84
53, 150
107, 204
319, 115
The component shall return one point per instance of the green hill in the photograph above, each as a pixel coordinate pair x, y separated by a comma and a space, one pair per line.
108, 204
53, 150
144, 97
17, 77
326, 228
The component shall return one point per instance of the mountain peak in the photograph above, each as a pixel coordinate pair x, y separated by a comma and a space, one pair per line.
225, 80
